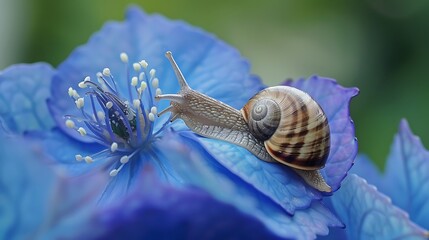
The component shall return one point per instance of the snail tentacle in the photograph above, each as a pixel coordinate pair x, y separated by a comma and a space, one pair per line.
172, 97
182, 82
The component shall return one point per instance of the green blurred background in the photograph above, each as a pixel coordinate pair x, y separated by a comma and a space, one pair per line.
380, 46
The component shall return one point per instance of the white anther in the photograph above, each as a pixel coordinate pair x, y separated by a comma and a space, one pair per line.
134, 81
155, 83
154, 110
75, 94
71, 91
79, 103
136, 103
70, 123
141, 76
88, 159
106, 72
143, 63
82, 131
82, 84
158, 92
143, 85
124, 57
137, 67
78, 157
87, 79
109, 105
152, 72
114, 172
151, 117
114, 147
124, 159
101, 115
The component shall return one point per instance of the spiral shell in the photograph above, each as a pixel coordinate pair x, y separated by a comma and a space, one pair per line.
292, 125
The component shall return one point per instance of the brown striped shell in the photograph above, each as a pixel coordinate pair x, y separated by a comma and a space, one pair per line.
292, 125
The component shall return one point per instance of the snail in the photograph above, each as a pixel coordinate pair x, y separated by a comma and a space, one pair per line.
279, 124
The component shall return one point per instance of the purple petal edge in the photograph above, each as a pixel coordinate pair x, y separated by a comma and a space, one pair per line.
335, 101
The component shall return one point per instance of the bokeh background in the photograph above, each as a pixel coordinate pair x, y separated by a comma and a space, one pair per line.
380, 46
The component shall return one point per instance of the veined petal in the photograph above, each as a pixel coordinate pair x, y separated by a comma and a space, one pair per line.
63, 149
156, 210
334, 100
24, 89
38, 201
406, 178
368, 214
209, 65
275, 181
197, 167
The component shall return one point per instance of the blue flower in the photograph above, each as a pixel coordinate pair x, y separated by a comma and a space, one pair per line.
370, 214
100, 111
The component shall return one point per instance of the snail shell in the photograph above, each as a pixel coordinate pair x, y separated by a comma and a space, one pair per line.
292, 125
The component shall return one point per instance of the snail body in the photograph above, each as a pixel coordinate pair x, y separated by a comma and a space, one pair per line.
279, 124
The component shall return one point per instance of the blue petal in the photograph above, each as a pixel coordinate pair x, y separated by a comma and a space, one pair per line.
63, 149
196, 167
275, 181
368, 214
407, 178
38, 201
334, 100
366, 169
160, 211
210, 65
24, 89
407, 174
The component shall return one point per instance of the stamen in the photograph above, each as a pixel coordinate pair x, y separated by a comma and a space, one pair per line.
75, 94
158, 92
80, 102
113, 147
134, 81
137, 67
152, 72
141, 76
151, 117
109, 105
154, 110
100, 78
143, 85
79, 157
101, 115
124, 57
136, 103
155, 83
89, 159
143, 63
114, 172
124, 159
106, 72
82, 131
70, 91
82, 85
70, 123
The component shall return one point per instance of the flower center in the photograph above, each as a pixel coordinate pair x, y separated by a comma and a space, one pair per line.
109, 118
